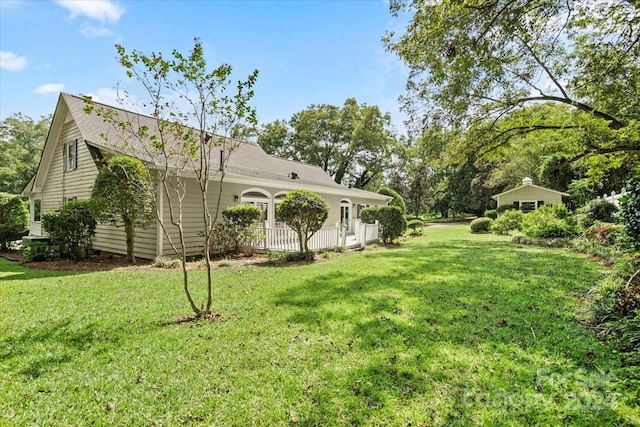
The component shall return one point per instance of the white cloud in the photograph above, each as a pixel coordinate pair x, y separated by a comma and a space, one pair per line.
100, 10
49, 88
116, 98
11, 62
90, 31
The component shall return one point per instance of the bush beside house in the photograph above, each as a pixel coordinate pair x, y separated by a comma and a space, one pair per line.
14, 219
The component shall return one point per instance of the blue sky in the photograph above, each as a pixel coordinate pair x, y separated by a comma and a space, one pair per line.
308, 52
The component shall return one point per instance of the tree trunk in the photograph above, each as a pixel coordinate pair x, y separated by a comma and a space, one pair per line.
128, 230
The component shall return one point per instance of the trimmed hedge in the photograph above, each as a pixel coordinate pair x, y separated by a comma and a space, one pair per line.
481, 225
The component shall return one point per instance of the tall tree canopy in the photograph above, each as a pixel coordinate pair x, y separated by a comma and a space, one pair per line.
352, 143
473, 61
21, 142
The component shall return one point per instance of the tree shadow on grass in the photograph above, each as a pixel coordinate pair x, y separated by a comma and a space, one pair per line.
456, 316
59, 343
12, 270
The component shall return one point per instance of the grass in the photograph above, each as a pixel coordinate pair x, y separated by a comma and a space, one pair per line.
449, 329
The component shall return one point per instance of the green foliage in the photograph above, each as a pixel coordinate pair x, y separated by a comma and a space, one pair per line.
299, 256
546, 242
305, 212
14, 219
613, 303
201, 96
491, 213
556, 172
510, 220
504, 208
550, 221
241, 223
122, 195
581, 192
37, 251
397, 200
352, 143
71, 229
599, 210
631, 209
475, 62
414, 224
21, 142
481, 225
391, 221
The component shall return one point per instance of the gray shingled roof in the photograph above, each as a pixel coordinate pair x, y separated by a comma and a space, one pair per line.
247, 159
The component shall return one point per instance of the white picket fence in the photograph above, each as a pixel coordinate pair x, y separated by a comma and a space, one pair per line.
614, 198
286, 239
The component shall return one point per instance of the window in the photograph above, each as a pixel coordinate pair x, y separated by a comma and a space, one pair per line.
36, 210
70, 155
257, 198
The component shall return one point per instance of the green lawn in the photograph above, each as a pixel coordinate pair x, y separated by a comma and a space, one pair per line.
448, 329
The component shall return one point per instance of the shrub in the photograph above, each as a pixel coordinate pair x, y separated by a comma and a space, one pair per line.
71, 229
241, 221
299, 256
37, 251
605, 233
631, 210
510, 220
481, 225
504, 208
166, 262
391, 221
598, 210
305, 212
14, 219
414, 224
549, 222
397, 200
491, 213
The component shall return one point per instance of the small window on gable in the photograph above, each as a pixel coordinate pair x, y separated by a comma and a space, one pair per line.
70, 155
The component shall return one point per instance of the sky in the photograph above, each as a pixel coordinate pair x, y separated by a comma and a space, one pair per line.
306, 51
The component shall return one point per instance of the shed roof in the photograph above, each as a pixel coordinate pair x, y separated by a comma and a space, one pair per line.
528, 185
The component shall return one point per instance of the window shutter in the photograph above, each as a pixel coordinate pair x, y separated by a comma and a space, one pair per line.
540, 203
64, 156
516, 205
74, 154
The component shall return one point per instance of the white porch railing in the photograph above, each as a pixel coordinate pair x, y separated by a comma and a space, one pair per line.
286, 239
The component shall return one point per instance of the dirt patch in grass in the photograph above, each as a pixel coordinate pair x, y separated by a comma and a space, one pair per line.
114, 262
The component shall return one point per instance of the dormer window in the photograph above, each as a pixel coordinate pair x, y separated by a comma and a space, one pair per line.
70, 155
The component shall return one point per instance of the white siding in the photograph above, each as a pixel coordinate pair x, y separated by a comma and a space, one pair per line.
77, 183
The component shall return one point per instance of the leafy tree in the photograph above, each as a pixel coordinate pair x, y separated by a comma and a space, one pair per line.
631, 210
556, 173
305, 212
14, 219
472, 62
397, 200
352, 143
185, 143
122, 195
21, 142
71, 229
